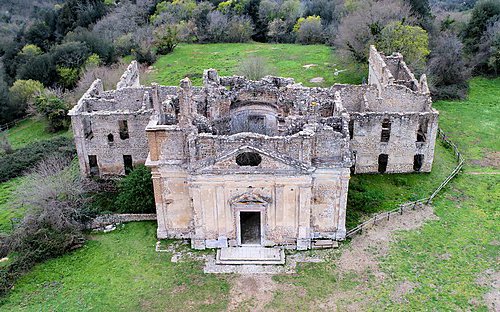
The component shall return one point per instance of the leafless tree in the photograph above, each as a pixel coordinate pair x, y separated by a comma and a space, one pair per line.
360, 28
54, 197
447, 70
487, 59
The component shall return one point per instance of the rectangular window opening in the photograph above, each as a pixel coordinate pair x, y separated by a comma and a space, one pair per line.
382, 163
94, 167
127, 164
422, 131
123, 128
351, 129
386, 131
87, 128
418, 161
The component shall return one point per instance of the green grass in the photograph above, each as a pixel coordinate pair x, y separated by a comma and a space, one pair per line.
29, 131
119, 271
7, 213
400, 188
286, 59
474, 124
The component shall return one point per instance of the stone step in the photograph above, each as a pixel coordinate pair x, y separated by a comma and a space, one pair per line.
250, 255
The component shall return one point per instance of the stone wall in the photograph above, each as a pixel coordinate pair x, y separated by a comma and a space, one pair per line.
103, 220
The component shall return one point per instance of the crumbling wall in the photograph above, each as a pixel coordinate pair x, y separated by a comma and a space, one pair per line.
402, 145
130, 77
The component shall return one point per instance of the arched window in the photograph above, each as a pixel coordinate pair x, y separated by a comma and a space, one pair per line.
248, 159
111, 138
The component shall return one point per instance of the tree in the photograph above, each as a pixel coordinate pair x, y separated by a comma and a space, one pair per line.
487, 58
75, 13
6, 111
422, 11
54, 109
95, 44
40, 35
70, 54
362, 26
279, 32
23, 94
482, 15
40, 68
411, 41
166, 39
448, 73
309, 30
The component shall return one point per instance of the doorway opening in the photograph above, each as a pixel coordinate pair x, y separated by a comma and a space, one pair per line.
250, 227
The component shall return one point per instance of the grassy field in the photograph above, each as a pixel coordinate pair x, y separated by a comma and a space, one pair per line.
29, 131
6, 211
284, 60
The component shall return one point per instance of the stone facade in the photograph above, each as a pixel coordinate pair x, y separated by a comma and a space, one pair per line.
239, 162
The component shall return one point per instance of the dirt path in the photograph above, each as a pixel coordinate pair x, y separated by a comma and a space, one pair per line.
254, 292
251, 292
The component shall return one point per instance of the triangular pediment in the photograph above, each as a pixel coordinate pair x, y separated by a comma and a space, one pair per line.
269, 161
250, 198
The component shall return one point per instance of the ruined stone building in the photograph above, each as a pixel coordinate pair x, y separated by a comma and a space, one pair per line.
257, 163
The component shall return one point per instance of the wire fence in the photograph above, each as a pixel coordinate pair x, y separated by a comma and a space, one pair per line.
12, 124
386, 216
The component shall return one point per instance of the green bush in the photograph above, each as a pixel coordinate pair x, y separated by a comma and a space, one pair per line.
21, 160
136, 192
361, 201
55, 110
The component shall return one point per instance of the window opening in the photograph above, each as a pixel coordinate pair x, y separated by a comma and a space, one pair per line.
382, 162
127, 163
386, 131
248, 159
94, 167
418, 161
123, 127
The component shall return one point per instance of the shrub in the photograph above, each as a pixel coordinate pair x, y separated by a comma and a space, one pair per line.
254, 68
309, 30
21, 160
361, 200
54, 109
136, 192
54, 196
166, 39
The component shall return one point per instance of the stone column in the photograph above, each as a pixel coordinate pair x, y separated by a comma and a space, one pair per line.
304, 218
161, 213
198, 238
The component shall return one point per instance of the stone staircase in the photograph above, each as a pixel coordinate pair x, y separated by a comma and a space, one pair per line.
250, 256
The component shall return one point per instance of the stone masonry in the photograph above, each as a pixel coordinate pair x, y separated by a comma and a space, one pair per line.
238, 162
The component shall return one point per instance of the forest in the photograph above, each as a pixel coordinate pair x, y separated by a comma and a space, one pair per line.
48, 47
